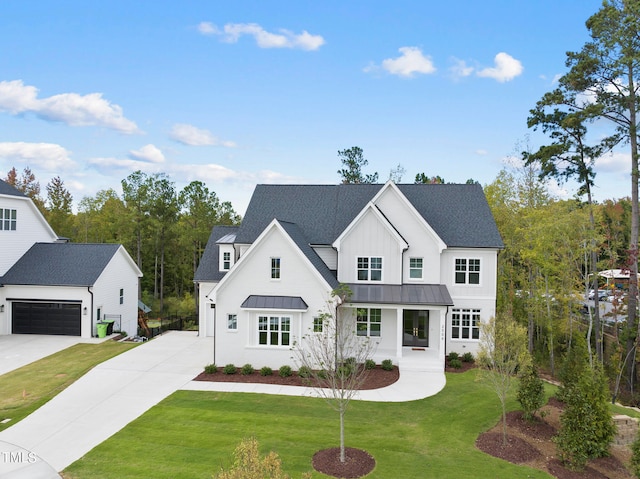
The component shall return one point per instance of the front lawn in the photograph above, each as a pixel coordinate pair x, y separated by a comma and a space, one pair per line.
24, 390
191, 434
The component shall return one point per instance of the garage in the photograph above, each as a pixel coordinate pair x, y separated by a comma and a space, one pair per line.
46, 318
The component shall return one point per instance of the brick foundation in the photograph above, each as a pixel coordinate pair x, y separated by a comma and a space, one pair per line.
627, 430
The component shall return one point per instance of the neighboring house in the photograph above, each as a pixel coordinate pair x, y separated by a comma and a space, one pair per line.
420, 260
50, 286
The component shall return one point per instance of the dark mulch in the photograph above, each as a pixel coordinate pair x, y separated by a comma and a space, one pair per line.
465, 367
357, 462
516, 450
556, 469
376, 378
535, 428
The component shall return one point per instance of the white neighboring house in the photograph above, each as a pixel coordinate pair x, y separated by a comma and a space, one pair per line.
50, 286
420, 260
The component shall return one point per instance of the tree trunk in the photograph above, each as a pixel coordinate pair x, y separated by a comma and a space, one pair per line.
342, 456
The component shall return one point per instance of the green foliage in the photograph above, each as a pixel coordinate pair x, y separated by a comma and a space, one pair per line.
247, 369
586, 426
285, 371
369, 364
455, 363
353, 160
266, 371
530, 393
453, 355
211, 369
387, 365
249, 465
229, 369
468, 358
305, 372
635, 457
575, 361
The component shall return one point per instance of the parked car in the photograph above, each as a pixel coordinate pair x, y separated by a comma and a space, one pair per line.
602, 294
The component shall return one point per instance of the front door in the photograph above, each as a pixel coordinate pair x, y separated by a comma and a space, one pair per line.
416, 328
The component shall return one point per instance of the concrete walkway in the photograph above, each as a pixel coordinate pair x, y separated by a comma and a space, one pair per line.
119, 390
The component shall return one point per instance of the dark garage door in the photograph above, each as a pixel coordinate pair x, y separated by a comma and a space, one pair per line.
46, 318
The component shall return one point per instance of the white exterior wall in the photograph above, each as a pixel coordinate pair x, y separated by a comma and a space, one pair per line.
470, 296
370, 237
119, 274
53, 294
30, 228
206, 313
329, 255
252, 275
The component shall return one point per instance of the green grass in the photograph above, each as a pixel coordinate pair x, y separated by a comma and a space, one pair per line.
191, 434
24, 390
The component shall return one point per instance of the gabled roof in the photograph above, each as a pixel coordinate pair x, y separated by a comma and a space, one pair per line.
7, 189
459, 214
61, 264
209, 266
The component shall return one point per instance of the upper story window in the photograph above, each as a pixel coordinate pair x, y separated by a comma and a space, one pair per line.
368, 321
415, 268
275, 268
465, 323
226, 260
232, 321
318, 324
8, 219
369, 268
467, 271
121, 296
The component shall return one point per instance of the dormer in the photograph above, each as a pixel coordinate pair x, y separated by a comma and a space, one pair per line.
226, 252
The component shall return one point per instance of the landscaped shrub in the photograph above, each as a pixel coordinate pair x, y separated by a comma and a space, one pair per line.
285, 371
247, 369
210, 369
468, 358
455, 363
322, 374
266, 371
305, 372
453, 355
530, 392
387, 365
229, 369
370, 364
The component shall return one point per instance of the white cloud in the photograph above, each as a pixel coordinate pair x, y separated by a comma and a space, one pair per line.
410, 62
283, 39
70, 108
192, 136
482, 152
614, 162
506, 68
48, 156
149, 153
460, 69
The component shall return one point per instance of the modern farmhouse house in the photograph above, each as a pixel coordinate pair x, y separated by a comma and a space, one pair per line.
420, 261
51, 286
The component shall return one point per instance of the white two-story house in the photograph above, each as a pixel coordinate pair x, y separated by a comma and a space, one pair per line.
51, 286
420, 261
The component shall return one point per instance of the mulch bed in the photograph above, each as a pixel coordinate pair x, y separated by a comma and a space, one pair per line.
376, 378
357, 462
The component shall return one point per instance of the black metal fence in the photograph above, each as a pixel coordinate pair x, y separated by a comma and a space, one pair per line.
172, 322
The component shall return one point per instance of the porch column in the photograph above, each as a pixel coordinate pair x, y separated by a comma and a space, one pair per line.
399, 331
443, 333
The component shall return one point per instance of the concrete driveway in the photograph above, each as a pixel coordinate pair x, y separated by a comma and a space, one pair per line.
17, 350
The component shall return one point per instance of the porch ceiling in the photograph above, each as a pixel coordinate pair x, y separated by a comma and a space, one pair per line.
423, 294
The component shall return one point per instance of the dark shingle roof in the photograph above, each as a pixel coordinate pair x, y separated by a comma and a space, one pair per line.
7, 189
208, 268
61, 264
459, 214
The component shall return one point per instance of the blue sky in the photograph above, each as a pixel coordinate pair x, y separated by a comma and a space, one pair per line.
237, 93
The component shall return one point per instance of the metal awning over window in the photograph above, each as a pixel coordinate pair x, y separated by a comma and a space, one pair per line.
427, 294
275, 302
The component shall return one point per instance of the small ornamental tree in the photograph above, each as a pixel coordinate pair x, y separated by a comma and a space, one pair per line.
336, 356
503, 351
586, 426
530, 392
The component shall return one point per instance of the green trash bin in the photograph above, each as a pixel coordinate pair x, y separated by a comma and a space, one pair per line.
102, 330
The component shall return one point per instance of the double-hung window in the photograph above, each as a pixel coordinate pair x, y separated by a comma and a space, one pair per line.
369, 268
465, 323
318, 324
368, 321
226, 260
275, 268
8, 219
415, 268
274, 330
121, 296
232, 322
467, 271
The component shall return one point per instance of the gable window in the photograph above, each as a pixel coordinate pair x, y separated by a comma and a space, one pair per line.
318, 324
369, 268
415, 268
232, 321
226, 260
465, 323
8, 219
274, 330
467, 271
275, 268
121, 296
368, 321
